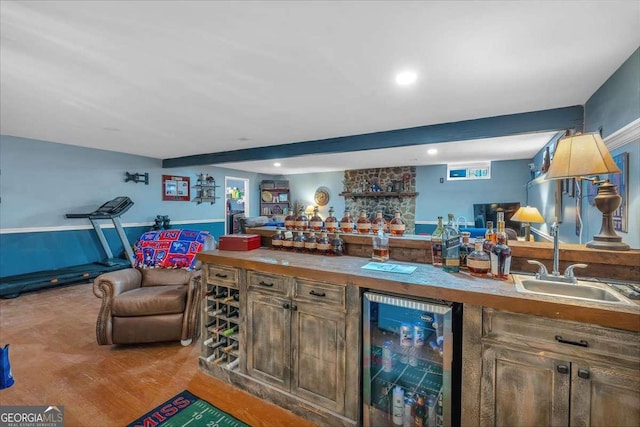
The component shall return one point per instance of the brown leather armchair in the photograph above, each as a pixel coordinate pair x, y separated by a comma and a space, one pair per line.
148, 305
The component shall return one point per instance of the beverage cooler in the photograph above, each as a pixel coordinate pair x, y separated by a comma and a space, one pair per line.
411, 361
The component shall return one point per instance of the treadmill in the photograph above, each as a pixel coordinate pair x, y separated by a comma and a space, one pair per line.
112, 210
12, 286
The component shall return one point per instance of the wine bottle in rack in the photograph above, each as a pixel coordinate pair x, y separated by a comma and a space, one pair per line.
221, 327
211, 322
220, 343
230, 331
233, 364
221, 359
222, 294
217, 312
233, 297
233, 346
208, 342
233, 313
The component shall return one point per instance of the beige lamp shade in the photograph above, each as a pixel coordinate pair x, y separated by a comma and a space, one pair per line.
581, 155
527, 214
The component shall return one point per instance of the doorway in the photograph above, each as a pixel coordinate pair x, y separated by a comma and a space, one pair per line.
236, 203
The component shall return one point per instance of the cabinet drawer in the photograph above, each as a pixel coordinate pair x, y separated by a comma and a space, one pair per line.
319, 293
560, 336
267, 282
217, 274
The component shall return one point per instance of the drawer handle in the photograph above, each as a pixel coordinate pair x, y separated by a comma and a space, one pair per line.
263, 283
286, 306
563, 369
583, 373
317, 294
222, 276
581, 343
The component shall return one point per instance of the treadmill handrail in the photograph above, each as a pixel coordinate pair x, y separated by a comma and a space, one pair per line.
107, 211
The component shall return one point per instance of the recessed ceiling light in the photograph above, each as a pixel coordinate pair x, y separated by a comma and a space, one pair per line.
276, 164
406, 78
432, 151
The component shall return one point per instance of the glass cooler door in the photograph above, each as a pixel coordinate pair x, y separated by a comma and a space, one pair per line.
407, 359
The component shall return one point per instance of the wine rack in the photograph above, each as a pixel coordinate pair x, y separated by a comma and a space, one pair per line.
221, 320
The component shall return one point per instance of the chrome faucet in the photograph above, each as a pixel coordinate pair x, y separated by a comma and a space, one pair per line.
555, 276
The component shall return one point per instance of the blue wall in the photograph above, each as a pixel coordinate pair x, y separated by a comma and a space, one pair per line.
617, 102
613, 106
42, 181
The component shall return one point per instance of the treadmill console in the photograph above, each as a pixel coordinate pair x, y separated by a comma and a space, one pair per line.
111, 209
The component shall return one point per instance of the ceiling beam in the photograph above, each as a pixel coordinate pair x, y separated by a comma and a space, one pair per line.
490, 127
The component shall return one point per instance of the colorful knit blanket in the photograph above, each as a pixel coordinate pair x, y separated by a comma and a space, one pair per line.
170, 248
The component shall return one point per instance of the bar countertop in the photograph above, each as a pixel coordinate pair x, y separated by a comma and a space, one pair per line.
429, 282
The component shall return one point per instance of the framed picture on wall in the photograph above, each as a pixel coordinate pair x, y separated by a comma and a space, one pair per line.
175, 188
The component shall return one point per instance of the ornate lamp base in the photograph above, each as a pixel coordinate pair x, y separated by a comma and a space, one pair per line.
607, 201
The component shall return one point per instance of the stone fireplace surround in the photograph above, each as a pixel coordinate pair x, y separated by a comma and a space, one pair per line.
359, 196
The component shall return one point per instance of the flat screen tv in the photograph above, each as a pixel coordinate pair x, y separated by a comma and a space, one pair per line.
483, 212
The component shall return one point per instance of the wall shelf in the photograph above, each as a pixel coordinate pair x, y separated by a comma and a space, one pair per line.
205, 189
380, 194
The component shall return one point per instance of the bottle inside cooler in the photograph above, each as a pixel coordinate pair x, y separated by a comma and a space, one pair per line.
405, 361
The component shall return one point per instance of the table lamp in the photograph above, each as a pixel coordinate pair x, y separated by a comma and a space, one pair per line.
527, 215
583, 156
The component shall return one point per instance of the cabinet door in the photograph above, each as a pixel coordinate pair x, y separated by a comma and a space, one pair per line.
268, 339
523, 389
318, 349
604, 395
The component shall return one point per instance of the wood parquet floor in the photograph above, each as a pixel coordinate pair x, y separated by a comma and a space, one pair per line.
56, 361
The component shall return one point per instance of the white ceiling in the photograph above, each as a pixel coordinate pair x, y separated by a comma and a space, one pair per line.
175, 78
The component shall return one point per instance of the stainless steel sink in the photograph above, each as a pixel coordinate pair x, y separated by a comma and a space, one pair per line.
583, 290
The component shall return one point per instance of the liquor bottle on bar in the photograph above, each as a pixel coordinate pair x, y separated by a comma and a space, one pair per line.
489, 238
346, 223
311, 244
331, 223
323, 245
290, 221
436, 244
380, 247
397, 225
500, 255
302, 222
478, 261
276, 240
337, 245
363, 224
450, 247
287, 243
298, 242
315, 223
379, 222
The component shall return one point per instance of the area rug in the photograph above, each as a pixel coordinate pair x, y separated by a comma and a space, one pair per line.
186, 409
